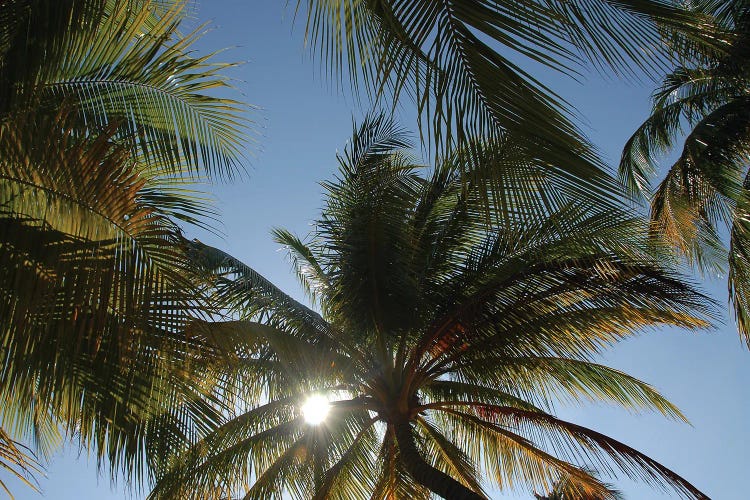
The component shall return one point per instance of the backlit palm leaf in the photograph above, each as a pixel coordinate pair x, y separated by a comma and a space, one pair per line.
144, 78
705, 190
17, 460
95, 288
566, 489
105, 121
473, 67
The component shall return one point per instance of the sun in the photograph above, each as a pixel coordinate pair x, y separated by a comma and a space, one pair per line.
315, 409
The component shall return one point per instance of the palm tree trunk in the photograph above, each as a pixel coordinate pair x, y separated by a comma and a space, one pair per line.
428, 476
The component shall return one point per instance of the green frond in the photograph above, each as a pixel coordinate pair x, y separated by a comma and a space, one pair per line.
103, 277
598, 447
216, 457
561, 378
312, 276
698, 193
394, 483
739, 268
132, 68
239, 287
459, 62
510, 459
106, 117
272, 443
306, 361
351, 477
18, 461
567, 488
699, 196
439, 392
447, 456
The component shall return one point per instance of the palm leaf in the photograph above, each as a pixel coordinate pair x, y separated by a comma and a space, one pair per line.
459, 62
96, 284
703, 190
18, 461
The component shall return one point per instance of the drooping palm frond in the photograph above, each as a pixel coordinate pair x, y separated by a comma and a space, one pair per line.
686, 94
444, 343
462, 62
96, 291
239, 287
106, 120
705, 189
739, 266
567, 490
17, 460
146, 79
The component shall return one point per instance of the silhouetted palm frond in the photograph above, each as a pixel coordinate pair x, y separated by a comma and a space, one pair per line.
107, 120
706, 189
475, 68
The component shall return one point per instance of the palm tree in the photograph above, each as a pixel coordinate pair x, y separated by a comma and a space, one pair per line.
443, 340
106, 124
706, 189
477, 68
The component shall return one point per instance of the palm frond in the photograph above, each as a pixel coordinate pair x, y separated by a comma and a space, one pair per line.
635, 464
459, 62
739, 269
701, 192
312, 276
448, 457
563, 379
566, 488
17, 460
96, 286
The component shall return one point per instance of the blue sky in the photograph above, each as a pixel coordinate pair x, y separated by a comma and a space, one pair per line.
302, 120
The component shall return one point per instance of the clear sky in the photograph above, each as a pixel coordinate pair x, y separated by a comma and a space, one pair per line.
303, 120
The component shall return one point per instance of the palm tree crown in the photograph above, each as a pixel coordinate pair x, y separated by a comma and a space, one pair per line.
444, 337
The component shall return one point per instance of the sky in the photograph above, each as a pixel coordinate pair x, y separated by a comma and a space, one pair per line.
301, 120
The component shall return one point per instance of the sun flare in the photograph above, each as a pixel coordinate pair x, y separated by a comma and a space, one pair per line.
315, 409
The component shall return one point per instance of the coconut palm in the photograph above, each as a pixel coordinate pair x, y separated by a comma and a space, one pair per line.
106, 124
442, 340
706, 189
476, 68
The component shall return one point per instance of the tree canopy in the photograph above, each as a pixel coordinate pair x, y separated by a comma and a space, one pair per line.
453, 305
